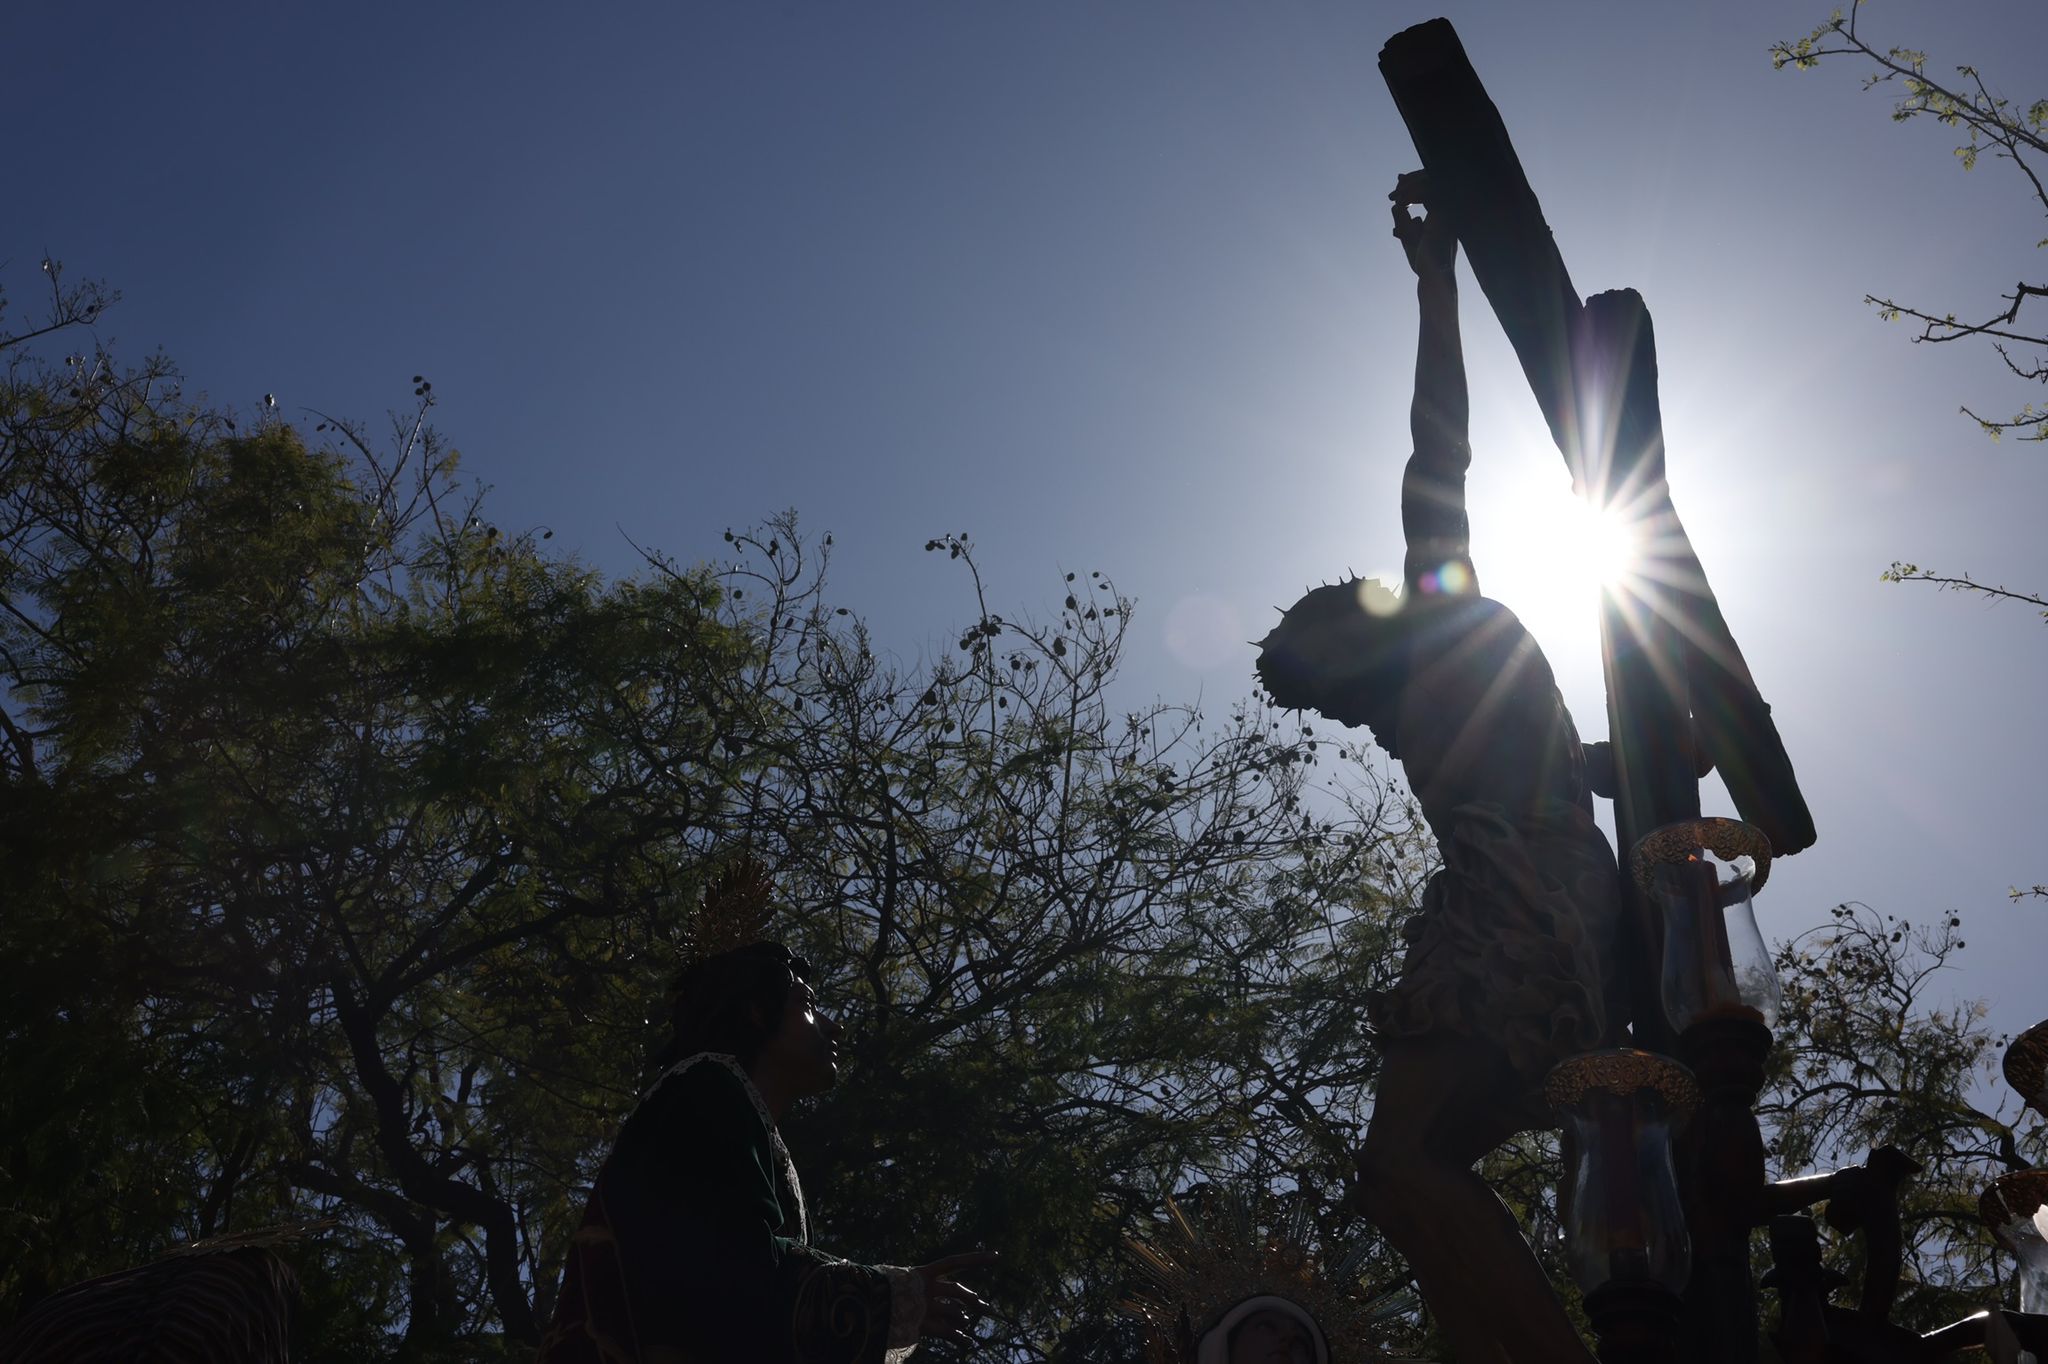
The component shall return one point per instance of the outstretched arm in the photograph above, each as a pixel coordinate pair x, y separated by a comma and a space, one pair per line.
1433, 518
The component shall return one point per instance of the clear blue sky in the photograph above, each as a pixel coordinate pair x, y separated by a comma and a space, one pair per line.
1110, 286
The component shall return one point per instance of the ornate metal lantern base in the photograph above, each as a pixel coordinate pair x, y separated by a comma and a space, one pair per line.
1623, 1226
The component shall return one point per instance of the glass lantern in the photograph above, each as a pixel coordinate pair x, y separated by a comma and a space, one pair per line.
2026, 1067
2015, 1207
1624, 1225
1700, 875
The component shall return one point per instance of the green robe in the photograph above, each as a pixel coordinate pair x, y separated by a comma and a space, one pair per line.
694, 1247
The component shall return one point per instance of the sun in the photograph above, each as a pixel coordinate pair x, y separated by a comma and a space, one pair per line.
1549, 556
1544, 538
1601, 546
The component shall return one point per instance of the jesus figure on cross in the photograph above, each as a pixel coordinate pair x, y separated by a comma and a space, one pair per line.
1512, 961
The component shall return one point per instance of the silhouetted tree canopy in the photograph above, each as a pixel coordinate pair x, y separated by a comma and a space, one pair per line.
352, 839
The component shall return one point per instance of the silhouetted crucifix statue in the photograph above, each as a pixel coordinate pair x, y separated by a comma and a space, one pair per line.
1513, 961
1530, 945
1680, 698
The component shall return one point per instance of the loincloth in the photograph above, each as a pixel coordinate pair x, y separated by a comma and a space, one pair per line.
1516, 943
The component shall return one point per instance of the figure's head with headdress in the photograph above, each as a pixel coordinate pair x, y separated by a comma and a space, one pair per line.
1220, 1284
734, 995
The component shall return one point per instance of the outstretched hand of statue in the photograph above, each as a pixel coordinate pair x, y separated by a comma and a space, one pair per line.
1431, 242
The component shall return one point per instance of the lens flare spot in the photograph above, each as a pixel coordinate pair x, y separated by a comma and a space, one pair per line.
1451, 580
1377, 598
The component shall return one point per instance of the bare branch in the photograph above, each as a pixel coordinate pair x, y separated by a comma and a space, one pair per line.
1904, 573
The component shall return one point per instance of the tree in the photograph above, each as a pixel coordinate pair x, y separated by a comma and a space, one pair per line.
358, 838
314, 777
1869, 1055
1113, 945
